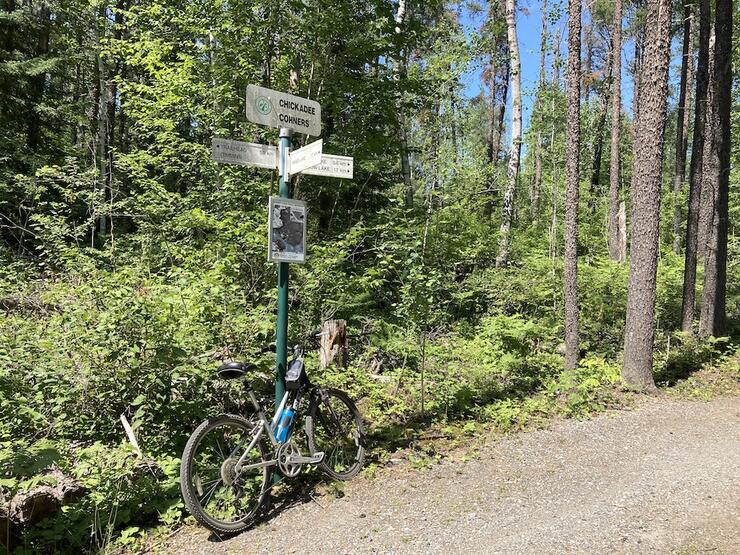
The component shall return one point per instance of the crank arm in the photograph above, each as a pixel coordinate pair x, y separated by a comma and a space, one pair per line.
261, 464
315, 459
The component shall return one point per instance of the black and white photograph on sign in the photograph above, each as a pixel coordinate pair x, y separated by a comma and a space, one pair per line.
287, 230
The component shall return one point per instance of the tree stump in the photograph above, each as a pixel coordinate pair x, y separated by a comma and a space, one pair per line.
333, 345
29, 507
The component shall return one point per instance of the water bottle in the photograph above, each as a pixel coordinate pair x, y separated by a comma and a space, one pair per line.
285, 425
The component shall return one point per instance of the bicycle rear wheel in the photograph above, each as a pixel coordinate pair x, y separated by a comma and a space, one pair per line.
334, 426
215, 495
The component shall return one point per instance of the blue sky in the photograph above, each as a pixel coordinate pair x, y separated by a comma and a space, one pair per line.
529, 28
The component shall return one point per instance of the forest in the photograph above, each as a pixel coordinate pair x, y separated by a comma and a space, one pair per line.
542, 221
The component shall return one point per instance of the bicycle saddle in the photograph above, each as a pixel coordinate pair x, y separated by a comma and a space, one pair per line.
232, 370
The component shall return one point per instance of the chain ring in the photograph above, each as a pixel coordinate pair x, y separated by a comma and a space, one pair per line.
285, 450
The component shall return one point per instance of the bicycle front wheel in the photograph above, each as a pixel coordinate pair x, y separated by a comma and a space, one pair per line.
215, 494
334, 426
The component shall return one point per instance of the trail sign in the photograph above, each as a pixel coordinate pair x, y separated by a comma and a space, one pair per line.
287, 230
277, 109
306, 157
286, 217
245, 154
332, 165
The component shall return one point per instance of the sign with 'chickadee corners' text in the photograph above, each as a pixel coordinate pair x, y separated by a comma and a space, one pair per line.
278, 109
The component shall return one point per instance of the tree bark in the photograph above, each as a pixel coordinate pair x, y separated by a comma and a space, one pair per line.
640, 327
684, 101
617, 248
512, 172
637, 68
333, 344
570, 281
710, 166
713, 312
695, 170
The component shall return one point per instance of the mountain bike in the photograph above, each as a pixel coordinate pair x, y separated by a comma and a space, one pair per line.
227, 466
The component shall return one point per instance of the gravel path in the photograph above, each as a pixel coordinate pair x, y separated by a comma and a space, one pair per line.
663, 478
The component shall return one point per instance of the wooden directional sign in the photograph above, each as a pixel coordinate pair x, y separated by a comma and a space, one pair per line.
277, 109
333, 166
306, 157
227, 151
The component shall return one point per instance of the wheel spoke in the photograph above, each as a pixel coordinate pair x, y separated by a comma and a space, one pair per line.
219, 495
207, 496
337, 432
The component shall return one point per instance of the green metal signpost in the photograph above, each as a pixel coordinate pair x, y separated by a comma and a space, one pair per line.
290, 114
281, 337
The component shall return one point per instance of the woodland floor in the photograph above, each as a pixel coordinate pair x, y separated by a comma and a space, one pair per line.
661, 478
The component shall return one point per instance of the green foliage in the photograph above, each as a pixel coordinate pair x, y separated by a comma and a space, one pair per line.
133, 320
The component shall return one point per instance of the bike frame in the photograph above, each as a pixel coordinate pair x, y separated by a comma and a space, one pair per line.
265, 427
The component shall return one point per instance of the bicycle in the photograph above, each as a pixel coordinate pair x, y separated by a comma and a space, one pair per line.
225, 484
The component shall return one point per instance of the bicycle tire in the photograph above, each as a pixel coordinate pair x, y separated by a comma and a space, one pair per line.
316, 419
188, 488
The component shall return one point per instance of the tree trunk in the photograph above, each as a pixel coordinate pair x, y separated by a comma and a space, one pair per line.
501, 113
617, 248
695, 170
588, 66
102, 122
637, 69
570, 282
684, 100
400, 73
333, 346
594, 187
710, 166
557, 61
507, 209
640, 328
537, 181
713, 312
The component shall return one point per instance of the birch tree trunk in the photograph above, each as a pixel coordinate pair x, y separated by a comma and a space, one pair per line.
713, 311
649, 139
507, 209
617, 248
570, 282
695, 170
684, 100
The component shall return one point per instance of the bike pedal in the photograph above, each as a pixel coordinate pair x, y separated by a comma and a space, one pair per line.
315, 459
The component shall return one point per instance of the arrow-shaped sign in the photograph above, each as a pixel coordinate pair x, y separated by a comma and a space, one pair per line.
306, 157
244, 154
333, 166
